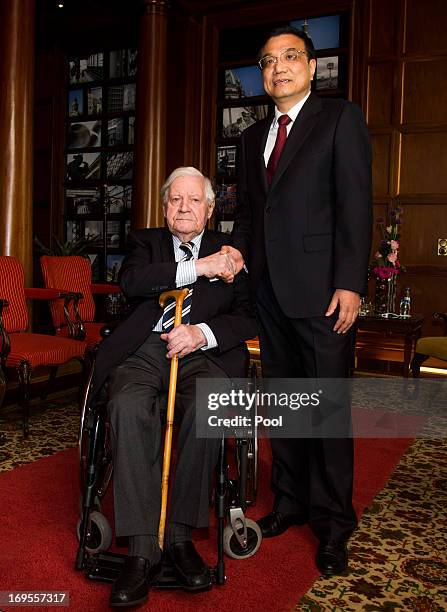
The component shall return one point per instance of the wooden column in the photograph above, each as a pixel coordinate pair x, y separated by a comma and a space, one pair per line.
16, 130
150, 145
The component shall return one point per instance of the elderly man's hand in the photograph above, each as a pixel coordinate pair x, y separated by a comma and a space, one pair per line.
235, 256
349, 302
183, 340
218, 265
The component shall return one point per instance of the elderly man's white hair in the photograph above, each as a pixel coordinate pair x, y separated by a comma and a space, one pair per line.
187, 171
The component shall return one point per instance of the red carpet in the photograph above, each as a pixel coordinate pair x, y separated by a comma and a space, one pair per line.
38, 542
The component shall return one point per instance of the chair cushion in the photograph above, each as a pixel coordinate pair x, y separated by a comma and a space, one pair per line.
39, 349
434, 346
12, 288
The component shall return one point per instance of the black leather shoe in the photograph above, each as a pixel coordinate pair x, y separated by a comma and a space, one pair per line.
191, 570
132, 585
332, 557
276, 523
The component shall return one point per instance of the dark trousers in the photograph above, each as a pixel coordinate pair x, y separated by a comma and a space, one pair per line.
136, 433
312, 476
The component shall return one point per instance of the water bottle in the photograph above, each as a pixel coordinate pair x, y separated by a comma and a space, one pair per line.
405, 304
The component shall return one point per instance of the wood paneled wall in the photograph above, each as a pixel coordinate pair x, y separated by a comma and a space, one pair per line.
404, 95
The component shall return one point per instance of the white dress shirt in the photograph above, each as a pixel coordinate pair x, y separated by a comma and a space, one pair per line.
187, 275
273, 131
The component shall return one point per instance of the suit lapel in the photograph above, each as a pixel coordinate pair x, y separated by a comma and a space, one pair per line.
302, 127
263, 135
167, 246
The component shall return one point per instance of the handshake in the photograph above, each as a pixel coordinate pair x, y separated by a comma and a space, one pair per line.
223, 265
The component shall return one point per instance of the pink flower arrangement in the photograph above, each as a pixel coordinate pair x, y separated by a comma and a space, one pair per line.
386, 259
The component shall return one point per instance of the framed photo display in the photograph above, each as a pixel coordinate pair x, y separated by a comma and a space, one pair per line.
100, 135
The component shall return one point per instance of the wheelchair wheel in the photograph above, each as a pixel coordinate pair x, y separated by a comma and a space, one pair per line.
232, 547
99, 534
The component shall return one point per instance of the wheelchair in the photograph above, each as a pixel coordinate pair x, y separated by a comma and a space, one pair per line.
237, 536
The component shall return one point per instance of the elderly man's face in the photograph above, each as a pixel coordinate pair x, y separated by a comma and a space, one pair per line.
187, 210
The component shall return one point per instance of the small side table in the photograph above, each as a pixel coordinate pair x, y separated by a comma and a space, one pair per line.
389, 339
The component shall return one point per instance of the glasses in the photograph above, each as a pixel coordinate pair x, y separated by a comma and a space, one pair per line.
289, 56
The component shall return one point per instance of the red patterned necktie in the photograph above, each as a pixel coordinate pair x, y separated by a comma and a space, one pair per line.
281, 138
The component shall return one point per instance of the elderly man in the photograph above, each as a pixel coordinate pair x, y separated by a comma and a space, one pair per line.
136, 362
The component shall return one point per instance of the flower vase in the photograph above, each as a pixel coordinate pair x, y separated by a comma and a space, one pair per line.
385, 294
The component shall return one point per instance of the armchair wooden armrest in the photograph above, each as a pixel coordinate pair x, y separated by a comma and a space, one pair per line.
5, 343
443, 317
104, 288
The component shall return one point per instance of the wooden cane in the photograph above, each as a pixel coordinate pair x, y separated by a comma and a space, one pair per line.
179, 295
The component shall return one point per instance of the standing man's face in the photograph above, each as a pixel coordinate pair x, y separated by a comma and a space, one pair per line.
287, 82
187, 209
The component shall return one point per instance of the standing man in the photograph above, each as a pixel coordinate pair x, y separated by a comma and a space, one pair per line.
303, 225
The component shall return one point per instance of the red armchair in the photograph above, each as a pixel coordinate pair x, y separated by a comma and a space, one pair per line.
73, 274
21, 350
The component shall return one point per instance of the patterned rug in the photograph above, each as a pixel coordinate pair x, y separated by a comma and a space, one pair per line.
53, 425
398, 555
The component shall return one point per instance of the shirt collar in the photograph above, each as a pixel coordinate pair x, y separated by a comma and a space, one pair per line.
195, 241
292, 112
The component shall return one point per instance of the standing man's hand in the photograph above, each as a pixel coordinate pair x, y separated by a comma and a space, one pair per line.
235, 257
349, 303
184, 339
218, 265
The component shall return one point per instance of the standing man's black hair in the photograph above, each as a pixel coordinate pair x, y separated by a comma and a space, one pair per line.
288, 29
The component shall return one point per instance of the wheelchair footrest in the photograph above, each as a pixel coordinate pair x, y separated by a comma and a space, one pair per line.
106, 566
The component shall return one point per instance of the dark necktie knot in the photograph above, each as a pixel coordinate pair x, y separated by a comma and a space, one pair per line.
284, 120
186, 247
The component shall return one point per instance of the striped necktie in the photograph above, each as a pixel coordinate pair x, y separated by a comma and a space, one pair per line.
169, 310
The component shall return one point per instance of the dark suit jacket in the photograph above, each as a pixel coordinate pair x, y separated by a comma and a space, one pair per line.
147, 271
313, 224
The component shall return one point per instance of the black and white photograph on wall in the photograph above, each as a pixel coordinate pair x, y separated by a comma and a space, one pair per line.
94, 100
243, 82
94, 231
225, 226
113, 267
118, 198
131, 131
327, 73
83, 166
73, 231
117, 64
83, 201
225, 198
238, 118
115, 132
86, 68
113, 234
120, 165
129, 96
94, 262
132, 55
83, 135
75, 103
115, 99
226, 160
